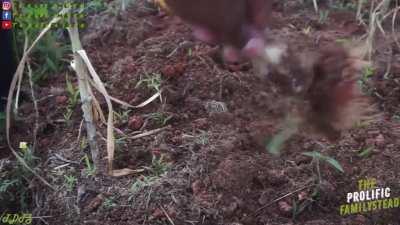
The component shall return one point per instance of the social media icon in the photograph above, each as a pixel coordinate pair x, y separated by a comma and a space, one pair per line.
6, 15
6, 5
6, 25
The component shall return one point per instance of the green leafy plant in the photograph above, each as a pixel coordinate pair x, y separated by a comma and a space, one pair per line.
73, 98
152, 81
319, 157
109, 203
90, 170
157, 169
344, 5
122, 117
95, 6
70, 182
365, 152
49, 57
158, 166
301, 203
323, 16
368, 72
140, 185
161, 118
83, 143
14, 184
27, 155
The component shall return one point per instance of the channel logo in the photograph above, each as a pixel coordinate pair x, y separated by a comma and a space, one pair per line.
6, 25
6, 5
6, 15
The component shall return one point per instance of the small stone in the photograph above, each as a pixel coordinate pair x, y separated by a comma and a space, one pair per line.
168, 71
135, 122
61, 100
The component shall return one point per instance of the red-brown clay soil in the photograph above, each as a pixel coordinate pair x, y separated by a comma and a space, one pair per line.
220, 171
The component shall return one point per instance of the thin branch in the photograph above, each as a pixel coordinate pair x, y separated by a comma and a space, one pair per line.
35, 106
282, 197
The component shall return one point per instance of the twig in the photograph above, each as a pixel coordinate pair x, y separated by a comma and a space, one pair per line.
168, 217
280, 198
148, 133
65, 160
42, 218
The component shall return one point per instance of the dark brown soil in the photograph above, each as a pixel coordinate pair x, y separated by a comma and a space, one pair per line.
219, 169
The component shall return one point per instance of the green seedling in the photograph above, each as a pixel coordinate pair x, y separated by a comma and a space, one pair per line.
152, 82
49, 57
366, 152
368, 73
323, 16
14, 183
161, 118
83, 144
90, 170
140, 185
123, 116
344, 5
158, 166
73, 98
70, 182
319, 157
109, 203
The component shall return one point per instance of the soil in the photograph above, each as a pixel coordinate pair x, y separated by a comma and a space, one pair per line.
218, 168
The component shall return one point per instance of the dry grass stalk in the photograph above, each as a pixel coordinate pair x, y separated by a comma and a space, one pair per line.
84, 90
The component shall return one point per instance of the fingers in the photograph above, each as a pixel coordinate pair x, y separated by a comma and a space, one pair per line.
254, 48
203, 34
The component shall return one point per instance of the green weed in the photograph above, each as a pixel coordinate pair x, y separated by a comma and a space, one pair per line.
319, 157
70, 182
90, 170
160, 118
158, 166
109, 203
14, 184
323, 16
73, 98
152, 82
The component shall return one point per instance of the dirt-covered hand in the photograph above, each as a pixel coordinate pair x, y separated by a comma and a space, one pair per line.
236, 24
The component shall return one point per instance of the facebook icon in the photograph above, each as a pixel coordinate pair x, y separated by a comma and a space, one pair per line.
6, 15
